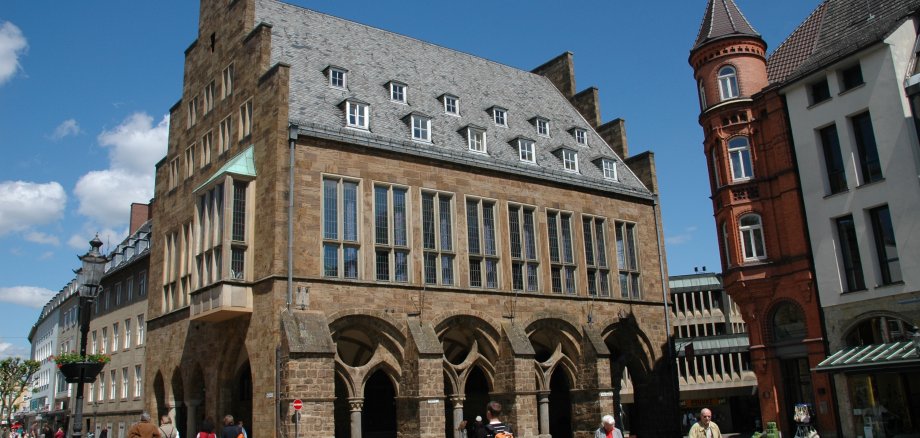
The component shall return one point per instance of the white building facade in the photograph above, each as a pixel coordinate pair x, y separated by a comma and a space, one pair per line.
857, 152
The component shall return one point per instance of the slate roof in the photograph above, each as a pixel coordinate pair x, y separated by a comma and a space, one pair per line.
723, 19
310, 42
834, 30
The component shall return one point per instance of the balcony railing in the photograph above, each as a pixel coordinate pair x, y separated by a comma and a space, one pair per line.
220, 302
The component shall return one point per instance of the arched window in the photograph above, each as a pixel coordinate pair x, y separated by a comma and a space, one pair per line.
879, 330
715, 167
726, 250
728, 82
702, 96
739, 150
788, 323
752, 237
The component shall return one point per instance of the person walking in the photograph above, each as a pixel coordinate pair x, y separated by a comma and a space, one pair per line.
206, 429
104, 433
167, 429
242, 428
144, 428
608, 428
230, 429
59, 433
495, 425
705, 427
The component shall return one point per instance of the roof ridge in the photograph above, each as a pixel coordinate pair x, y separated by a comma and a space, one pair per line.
428, 43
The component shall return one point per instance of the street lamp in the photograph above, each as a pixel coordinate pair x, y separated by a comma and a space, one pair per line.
90, 275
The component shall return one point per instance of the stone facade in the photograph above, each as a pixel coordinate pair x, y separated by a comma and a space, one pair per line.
233, 330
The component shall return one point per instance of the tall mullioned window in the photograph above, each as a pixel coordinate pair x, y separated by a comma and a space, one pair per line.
628, 260
340, 228
524, 260
869, 164
238, 231
752, 239
833, 160
596, 256
849, 254
728, 83
561, 255
391, 236
437, 238
886, 247
210, 235
739, 151
480, 228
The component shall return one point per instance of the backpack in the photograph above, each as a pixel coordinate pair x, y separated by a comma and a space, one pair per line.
500, 430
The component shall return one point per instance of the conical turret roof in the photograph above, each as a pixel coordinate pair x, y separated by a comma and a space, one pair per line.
723, 19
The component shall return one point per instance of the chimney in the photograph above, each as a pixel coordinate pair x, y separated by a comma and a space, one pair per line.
561, 72
614, 133
140, 213
588, 104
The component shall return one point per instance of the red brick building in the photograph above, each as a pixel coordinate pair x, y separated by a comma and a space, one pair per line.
760, 218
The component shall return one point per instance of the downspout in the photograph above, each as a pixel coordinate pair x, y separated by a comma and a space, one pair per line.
667, 310
292, 143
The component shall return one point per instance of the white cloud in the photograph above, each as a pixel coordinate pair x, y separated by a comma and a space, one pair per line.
11, 350
42, 238
26, 204
685, 237
136, 146
46, 255
108, 236
28, 296
67, 127
12, 44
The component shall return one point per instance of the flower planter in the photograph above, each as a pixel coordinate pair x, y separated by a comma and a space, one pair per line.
71, 371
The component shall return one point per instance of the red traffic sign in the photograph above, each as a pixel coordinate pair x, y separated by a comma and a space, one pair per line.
298, 405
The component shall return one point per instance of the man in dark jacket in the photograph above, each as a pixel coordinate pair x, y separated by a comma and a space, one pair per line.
230, 429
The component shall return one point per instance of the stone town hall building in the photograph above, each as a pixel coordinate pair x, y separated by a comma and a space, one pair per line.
394, 233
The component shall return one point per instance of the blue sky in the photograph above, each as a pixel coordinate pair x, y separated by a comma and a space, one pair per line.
85, 88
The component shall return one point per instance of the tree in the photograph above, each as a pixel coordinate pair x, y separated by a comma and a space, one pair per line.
15, 375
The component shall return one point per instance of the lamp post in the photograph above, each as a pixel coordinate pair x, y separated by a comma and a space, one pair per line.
90, 277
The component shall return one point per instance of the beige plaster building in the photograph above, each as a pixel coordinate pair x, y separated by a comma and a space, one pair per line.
395, 233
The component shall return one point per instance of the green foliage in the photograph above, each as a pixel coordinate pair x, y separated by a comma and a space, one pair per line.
73, 357
15, 375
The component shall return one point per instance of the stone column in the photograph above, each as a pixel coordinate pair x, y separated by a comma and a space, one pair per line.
543, 401
356, 405
191, 417
457, 401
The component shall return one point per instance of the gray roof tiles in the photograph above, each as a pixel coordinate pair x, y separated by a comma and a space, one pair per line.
310, 42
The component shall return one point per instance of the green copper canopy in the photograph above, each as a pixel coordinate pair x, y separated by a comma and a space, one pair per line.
242, 165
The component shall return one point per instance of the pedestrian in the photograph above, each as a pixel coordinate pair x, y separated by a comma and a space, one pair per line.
462, 429
144, 428
242, 428
608, 428
206, 429
230, 429
104, 433
167, 429
59, 433
705, 428
495, 428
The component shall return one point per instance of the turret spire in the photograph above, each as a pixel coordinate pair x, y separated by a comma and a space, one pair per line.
723, 19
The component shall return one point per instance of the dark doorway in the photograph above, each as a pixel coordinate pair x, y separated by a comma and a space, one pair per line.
341, 409
378, 417
477, 396
242, 397
797, 388
560, 405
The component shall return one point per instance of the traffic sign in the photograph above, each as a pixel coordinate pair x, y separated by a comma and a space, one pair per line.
298, 405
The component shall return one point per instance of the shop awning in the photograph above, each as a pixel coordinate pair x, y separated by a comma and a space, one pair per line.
873, 357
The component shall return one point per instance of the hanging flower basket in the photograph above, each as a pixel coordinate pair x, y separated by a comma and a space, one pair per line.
72, 363
71, 371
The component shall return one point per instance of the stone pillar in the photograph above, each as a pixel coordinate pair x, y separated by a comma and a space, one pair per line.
457, 401
356, 405
543, 401
192, 417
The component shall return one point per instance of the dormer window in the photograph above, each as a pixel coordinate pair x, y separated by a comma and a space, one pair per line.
728, 82
500, 116
542, 126
570, 160
610, 169
476, 139
421, 128
451, 104
526, 150
581, 136
398, 92
337, 76
357, 114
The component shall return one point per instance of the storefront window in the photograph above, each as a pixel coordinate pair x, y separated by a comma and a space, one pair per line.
881, 403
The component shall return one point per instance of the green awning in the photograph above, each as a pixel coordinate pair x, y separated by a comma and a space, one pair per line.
873, 357
241, 165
